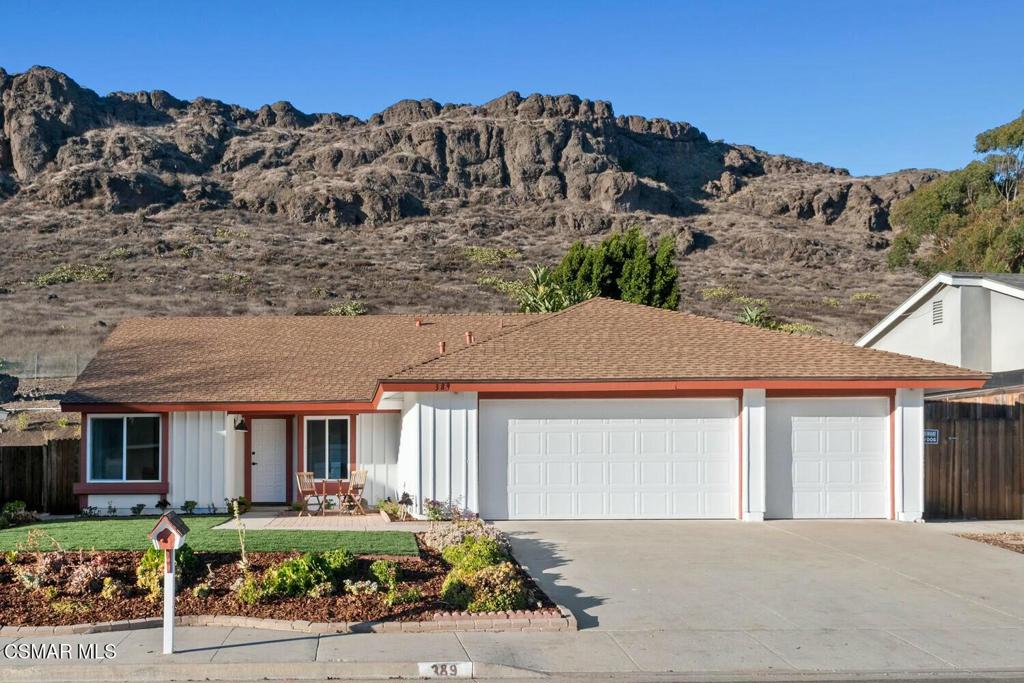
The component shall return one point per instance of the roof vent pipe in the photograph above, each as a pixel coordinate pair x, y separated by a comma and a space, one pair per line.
469, 338
440, 347
419, 322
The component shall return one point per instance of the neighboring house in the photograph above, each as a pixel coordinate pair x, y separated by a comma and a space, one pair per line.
604, 410
972, 320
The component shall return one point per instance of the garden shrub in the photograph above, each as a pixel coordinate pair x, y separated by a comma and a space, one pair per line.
322, 590
440, 536
49, 567
340, 563
405, 597
251, 590
490, 589
295, 577
113, 589
497, 588
88, 577
456, 590
390, 508
474, 553
201, 590
16, 512
360, 587
386, 574
149, 575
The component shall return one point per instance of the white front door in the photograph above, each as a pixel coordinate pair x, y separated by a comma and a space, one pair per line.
827, 458
609, 459
269, 469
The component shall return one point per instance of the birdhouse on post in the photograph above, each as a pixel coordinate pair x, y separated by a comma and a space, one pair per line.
169, 535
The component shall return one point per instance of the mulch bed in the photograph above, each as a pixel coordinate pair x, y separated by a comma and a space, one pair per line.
1007, 540
20, 606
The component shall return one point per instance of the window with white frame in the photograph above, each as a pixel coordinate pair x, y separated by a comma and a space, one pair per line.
327, 447
124, 447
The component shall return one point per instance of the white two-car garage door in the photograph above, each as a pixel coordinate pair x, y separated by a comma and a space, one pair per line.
827, 457
608, 459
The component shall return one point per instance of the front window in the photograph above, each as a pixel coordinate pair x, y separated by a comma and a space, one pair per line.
124, 448
327, 447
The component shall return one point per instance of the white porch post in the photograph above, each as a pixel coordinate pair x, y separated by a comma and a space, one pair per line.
908, 483
754, 452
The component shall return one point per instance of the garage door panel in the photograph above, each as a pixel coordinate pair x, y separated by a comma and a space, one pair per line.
591, 474
657, 458
558, 474
827, 457
590, 504
558, 443
717, 473
527, 443
719, 439
527, 504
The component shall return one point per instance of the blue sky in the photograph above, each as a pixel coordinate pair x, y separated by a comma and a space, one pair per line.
870, 86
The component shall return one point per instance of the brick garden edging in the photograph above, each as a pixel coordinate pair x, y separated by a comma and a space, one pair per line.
552, 619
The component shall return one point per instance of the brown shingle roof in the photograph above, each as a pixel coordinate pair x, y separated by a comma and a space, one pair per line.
313, 359
604, 339
267, 358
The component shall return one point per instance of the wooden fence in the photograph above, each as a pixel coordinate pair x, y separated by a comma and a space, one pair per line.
976, 471
42, 476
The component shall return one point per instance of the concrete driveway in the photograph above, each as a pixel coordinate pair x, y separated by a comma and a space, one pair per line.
808, 595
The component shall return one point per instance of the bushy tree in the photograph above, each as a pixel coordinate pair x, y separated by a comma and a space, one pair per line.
624, 266
1005, 148
970, 219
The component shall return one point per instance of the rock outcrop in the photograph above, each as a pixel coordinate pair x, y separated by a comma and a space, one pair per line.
127, 151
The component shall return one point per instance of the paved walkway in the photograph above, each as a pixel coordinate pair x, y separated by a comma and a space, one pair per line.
288, 520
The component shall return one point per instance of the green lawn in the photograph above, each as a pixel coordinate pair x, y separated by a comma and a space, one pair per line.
130, 534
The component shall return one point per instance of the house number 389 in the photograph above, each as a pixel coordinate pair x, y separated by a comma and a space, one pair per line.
446, 669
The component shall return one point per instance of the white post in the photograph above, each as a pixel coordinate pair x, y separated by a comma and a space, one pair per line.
168, 602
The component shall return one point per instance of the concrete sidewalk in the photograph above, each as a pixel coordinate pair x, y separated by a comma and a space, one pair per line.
223, 653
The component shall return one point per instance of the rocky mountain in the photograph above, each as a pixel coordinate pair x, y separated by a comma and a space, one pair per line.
135, 203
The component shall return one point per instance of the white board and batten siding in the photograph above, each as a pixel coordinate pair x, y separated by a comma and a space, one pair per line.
377, 436
199, 468
438, 448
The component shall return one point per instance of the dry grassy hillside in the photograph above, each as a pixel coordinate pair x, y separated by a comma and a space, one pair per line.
143, 204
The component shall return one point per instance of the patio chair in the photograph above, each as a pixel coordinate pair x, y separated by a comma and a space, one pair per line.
352, 499
307, 491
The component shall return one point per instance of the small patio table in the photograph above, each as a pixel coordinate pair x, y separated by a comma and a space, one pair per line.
342, 489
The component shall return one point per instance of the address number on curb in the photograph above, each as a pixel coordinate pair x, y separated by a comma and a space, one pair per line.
446, 669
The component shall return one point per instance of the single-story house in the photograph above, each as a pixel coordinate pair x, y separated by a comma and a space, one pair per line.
603, 410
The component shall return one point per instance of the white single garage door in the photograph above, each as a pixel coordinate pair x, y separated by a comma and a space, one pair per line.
608, 459
827, 458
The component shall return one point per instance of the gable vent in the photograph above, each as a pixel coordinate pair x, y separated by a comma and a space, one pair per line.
937, 312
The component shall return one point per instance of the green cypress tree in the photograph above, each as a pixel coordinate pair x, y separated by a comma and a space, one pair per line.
635, 275
665, 280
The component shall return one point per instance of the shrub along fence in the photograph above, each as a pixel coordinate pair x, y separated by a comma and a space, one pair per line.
42, 476
976, 470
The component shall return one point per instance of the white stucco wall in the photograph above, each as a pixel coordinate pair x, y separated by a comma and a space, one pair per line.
377, 437
916, 336
909, 453
1007, 332
754, 435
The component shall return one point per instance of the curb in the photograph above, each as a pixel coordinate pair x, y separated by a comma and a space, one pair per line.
552, 619
241, 671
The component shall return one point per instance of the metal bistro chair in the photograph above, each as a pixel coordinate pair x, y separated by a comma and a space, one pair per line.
352, 498
307, 491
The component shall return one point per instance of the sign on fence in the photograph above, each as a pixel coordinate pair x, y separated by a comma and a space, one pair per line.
931, 437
